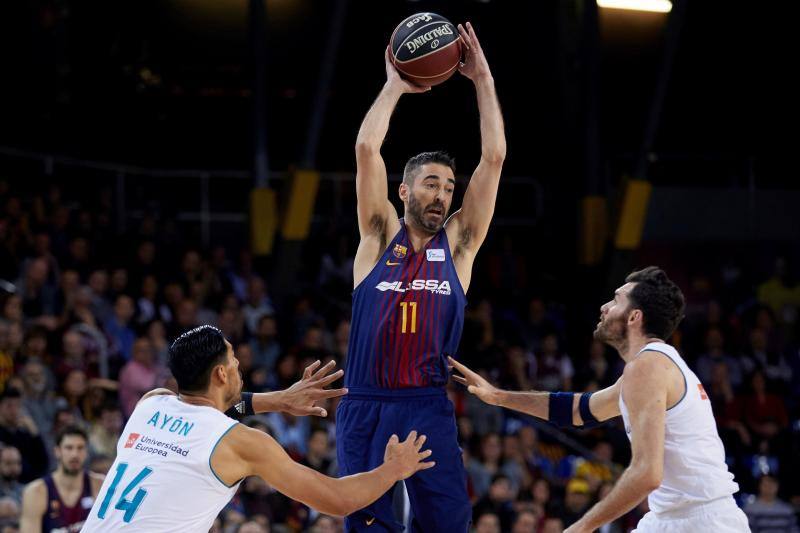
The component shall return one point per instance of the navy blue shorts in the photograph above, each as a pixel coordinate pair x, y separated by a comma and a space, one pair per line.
365, 419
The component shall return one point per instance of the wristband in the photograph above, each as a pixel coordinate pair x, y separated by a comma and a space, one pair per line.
589, 421
243, 408
561, 408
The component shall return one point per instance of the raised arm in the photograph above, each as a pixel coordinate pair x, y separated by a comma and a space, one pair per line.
645, 393
471, 223
250, 452
602, 405
376, 214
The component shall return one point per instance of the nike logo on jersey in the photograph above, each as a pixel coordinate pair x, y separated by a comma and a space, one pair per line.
370, 521
391, 264
433, 285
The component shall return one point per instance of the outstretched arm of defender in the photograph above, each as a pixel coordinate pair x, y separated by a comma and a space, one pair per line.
246, 451
645, 393
374, 208
561, 408
479, 199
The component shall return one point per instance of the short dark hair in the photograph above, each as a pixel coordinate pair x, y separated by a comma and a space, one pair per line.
659, 299
440, 157
10, 393
71, 430
194, 354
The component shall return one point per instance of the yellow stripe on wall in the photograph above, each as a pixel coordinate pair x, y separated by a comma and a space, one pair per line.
300, 208
633, 214
263, 220
594, 229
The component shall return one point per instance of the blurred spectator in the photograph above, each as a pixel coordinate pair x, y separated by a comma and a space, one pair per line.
759, 357
763, 412
38, 397
118, 326
554, 369
577, 500
9, 512
138, 376
525, 522
38, 295
487, 522
10, 471
499, 501
319, 455
20, 431
73, 395
256, 304
147, 304
98, 284
264, 343
105, 432
553, 525
714, 354
292, 432
767, 513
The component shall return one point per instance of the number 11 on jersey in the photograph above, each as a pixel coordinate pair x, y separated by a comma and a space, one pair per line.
403, 326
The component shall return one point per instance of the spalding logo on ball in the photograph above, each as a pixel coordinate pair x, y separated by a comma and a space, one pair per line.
426, 48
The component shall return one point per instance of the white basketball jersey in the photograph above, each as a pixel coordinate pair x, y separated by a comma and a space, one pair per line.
694, 458
162, 478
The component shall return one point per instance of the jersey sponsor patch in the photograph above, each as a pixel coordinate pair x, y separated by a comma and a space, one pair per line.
131, 439
435, 254
433, 285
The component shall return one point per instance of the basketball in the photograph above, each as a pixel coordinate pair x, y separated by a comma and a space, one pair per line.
426, 49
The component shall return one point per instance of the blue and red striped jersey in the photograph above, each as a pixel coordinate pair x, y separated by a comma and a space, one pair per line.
408, 314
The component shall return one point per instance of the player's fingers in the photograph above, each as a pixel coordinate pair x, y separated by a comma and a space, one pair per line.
420, 441
460, 367
412, 437
460, 379
473, 37
464, 36
394, 439
330, 393
324, 370
310, 368
427, 465
472, 389
317, 411
327, 380
425, 454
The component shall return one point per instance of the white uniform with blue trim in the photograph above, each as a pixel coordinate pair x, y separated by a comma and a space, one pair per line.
696, 489
162, 479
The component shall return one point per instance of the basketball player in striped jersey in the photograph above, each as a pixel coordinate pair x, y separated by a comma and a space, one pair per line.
677, 455
411, 275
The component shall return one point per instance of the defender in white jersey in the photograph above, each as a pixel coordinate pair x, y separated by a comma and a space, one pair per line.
677, 456
180, 458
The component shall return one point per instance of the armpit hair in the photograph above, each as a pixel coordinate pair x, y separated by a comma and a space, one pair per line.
378, 225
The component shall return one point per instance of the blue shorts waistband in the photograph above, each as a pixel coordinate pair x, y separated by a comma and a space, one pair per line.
393, 395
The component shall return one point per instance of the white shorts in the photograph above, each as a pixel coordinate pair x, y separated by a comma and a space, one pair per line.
719, 516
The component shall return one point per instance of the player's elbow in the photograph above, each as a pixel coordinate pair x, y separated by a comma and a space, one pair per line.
650, 478
343, 506
366, 148
494, 155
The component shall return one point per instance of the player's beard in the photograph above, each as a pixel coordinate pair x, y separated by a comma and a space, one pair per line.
71, 472
416, 212
236, 397
612, 331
